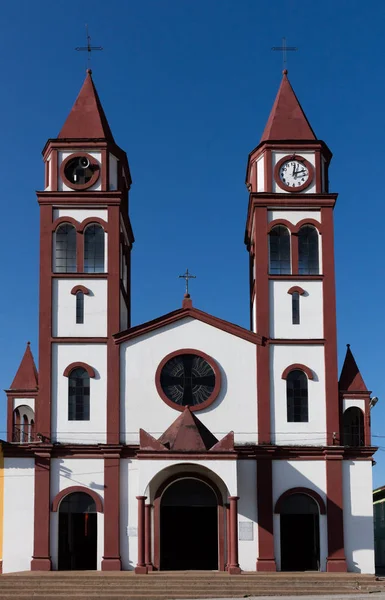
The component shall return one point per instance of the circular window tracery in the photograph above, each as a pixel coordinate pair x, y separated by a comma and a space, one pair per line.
80, 171
188, 378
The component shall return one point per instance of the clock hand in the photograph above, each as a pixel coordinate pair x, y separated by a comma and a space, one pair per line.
293, 172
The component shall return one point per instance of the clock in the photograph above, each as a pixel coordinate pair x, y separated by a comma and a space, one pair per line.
293, 173
188, 378
79, 171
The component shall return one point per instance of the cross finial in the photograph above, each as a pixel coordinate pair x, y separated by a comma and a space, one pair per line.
89, 49
284, 49
187, 276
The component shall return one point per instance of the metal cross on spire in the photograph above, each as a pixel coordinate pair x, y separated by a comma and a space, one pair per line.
187, 276
284, 49
88, 48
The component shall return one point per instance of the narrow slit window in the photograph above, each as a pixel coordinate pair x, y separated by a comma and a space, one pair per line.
295, 307
79, 307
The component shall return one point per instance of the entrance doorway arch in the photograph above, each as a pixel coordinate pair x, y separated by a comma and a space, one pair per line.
189, 524
77, 532
299, 525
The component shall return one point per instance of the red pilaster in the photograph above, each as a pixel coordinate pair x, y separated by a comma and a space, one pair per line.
228, 537
147, 535
336, 561
233, 567
41, 559
141, 564
111, 559
330, 326
266, 559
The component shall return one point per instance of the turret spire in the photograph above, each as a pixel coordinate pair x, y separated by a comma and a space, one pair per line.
351, 379
26, 376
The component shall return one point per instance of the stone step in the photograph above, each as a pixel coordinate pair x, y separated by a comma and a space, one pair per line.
145, 596
5, 584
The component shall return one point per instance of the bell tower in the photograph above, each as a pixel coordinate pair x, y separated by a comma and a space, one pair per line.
86, 240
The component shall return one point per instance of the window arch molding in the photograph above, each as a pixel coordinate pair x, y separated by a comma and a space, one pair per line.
283, 223
80, 288
65, 220
298, 367
79, 365
311, 222
296, 289
80, 226
77, 488
300, 490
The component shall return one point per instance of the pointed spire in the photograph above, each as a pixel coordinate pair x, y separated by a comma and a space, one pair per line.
26, 377
87, 118
351, 379
287, 121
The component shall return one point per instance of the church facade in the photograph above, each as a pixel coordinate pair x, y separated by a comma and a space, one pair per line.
187, 442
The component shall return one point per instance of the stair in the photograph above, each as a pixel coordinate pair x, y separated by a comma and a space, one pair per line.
181, 585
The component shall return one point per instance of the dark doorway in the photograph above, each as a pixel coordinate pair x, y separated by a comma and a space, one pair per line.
189, 527
77, 533
300, 548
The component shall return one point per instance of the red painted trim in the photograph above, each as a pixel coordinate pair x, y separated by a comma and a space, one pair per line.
79, 288
181, 313
307, 164
78, 365
296, 276
221, 516
330, 326
316, 224
9, 418
72, 490
65, 220
336, 561
105, 169
92, 221
41, 559
300, 367
141, 564
212, 364
233, 567
283, 222
296, 289
111, 558
318, 172
80, 275
80, 186
266, 558
54, 171
300, 490
148, 536
113, 325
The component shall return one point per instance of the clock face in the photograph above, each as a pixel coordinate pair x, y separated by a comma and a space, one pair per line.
294, 173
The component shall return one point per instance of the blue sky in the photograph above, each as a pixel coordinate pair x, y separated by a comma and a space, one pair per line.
187, 87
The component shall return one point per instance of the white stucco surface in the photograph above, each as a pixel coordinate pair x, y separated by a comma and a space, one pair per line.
24, 402
247, 512
310, 310
64, 308
68, 472
309, 474
358, 515
349, 402
235, 407
113, 163
314, 431
19, 495
80, 214
261, 174
80, 432
293, 216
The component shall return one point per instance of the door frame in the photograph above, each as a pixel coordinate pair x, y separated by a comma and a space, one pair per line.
220, 512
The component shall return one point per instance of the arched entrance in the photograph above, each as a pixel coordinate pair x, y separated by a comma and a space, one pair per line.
189, 525
300, 544
77, 532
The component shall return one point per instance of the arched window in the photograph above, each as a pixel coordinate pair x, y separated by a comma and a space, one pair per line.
279, 251
16, 425
94, 249
297, 397
65, 249
79, 307
295, 308
79, 395
308, 259
353, 421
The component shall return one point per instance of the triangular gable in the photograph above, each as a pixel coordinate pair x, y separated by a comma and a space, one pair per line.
26, 377
351, 379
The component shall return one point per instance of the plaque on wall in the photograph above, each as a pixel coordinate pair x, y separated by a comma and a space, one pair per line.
132, 532
246, 531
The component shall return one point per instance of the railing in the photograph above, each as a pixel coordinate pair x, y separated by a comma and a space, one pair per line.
23, 435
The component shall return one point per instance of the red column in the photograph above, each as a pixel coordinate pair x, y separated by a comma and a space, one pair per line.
233, 567
266, 559
336, 561
141, 564
111, 558
147, 536
41, 559
228, 537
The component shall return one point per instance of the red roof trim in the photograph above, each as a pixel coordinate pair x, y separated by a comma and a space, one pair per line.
183, 313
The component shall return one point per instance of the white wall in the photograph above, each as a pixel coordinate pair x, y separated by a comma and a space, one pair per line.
247, 512
24, 402
80, 214
310, 310
293, 216
64, 308
314, 431
309, 474
80, 432
62, 187
19, 495
235, 407
113, 172
68, 472
129, 486
358, 515
358, 402
276, 157
261, 174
